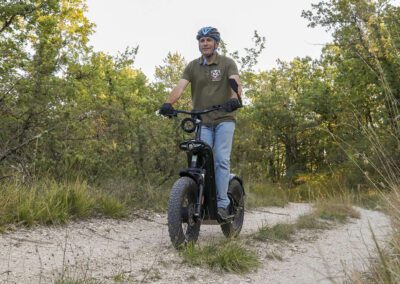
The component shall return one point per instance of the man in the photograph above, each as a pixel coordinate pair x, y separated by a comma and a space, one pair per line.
209, 77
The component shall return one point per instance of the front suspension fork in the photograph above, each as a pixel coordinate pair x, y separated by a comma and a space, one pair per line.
200, 197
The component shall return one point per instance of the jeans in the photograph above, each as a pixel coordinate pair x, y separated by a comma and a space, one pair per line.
220, 137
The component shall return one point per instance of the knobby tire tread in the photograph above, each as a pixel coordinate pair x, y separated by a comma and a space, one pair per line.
232, 229
183, 186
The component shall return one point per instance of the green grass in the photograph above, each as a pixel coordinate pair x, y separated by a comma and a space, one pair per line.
108, 205
279, 232
50, 202
229, 256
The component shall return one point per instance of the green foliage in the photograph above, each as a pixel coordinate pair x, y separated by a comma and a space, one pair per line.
226, 256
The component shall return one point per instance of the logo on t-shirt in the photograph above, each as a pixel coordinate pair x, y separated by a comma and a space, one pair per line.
215, 75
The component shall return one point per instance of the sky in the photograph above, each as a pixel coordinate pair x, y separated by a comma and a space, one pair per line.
162, 26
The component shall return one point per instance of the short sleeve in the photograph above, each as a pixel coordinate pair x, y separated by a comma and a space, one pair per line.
232, 68
187, 73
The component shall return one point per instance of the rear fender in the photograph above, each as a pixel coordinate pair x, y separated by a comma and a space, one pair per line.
236, 194
233, 176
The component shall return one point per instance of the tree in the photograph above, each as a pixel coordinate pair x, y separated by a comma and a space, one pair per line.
367, 33
38, 40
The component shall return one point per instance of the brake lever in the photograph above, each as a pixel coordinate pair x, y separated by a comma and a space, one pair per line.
157, 113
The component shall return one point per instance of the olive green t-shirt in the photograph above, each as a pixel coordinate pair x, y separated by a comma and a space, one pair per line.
210, 86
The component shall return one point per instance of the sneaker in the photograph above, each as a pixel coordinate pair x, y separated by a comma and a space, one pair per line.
223, 213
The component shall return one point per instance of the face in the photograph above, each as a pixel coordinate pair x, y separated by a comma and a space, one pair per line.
207, 45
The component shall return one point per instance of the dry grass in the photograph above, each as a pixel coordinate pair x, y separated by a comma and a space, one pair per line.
386, 267
311, 222
336, 209
265, 194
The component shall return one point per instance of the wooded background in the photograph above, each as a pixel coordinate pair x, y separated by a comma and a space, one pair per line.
69, 112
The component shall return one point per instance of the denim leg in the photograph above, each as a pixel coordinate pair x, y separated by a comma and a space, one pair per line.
207, 135
222, 153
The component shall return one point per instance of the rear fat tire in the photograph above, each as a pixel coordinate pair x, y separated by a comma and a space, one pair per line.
232, 229
183, 194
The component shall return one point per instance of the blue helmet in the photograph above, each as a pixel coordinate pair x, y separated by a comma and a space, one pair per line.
209, 32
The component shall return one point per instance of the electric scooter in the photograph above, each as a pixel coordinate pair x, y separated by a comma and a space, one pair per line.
193, 197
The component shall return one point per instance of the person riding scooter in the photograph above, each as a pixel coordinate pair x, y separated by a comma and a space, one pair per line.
209, 78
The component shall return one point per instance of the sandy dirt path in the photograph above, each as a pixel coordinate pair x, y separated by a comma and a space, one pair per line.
138, 250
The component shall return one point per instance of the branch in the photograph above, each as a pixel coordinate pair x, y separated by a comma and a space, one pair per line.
8, 152
7, 23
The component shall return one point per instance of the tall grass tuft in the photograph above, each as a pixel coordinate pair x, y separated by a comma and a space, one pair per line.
386, 268
227, 256
108, 205
51, 202
336, 209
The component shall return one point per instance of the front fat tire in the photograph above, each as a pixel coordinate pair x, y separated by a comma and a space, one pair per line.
183, 193
232, 229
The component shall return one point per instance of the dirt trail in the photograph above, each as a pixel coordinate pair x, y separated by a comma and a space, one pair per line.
139, 251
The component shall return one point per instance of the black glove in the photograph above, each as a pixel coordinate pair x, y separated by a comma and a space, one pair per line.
166, 109
232, 105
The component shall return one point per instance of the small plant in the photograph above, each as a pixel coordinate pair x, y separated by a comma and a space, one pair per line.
274, 255
310, 221
109, 206
226, 256
76, 281
120, 277
278, 232
335, 210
